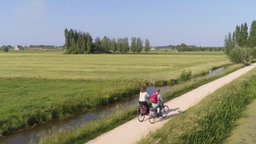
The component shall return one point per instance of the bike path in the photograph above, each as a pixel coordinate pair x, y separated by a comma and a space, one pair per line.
133, 130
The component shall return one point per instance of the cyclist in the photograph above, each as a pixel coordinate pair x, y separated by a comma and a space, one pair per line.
157, 101
143, 99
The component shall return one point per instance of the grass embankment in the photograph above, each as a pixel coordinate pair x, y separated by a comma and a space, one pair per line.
93, 129
245, 132
27, 102
38, 87
212, 120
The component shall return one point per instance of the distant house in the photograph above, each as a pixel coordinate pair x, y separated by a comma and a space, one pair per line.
18, 48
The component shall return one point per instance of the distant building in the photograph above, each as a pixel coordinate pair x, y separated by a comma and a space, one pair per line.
18, 48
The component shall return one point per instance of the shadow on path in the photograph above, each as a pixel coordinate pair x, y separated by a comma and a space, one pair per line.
159, 119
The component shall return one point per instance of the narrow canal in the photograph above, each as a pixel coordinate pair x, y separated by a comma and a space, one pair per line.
34, 134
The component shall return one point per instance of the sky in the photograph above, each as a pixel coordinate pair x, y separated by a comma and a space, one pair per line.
163, 22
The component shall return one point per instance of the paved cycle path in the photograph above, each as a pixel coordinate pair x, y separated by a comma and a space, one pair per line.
133, 130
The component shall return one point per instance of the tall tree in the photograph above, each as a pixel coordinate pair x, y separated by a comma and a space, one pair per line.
113, 45
126, 47
229, 43
97, 44
252, 36
80, 44
147, 45
120, 45
89, 42
237, 35
134, 44
84, 42
105, 44
244, 35
241, 35
139, 45
67, 39
182, 47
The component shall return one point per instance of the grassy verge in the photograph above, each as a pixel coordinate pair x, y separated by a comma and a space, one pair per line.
198, 81
245, 132
213, 119
28, 102
90, 130
93, 129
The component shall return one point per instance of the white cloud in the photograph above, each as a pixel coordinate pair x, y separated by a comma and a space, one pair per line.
31, 11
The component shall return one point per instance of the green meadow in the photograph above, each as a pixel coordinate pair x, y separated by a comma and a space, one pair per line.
39, 87
106, 66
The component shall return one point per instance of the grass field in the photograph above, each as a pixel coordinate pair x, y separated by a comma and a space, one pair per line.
108, 67
38, 87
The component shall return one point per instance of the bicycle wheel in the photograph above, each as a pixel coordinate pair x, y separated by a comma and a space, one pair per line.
166, 108
152, 119
165, 111
140, 116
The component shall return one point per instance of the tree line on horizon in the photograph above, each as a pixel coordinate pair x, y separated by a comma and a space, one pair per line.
184, 47
77, 42
240, 45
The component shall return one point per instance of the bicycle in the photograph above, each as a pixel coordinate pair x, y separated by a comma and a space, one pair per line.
141, 112
153, 114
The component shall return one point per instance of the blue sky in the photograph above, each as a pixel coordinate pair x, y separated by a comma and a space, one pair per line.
163, 22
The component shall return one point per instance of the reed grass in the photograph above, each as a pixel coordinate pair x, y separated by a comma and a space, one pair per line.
90, 130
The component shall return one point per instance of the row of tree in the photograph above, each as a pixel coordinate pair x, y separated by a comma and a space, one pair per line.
41, 46
183, 47
6, 48
240, 45
77, 42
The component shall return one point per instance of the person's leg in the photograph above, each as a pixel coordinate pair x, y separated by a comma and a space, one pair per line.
155, 107
160, 109
147, 106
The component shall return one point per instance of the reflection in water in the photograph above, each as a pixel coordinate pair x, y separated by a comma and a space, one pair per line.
215, 71
34, 134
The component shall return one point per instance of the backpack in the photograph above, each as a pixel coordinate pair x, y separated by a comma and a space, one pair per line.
154, 98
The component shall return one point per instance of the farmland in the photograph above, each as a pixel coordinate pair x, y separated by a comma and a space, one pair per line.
106, 67
38, 87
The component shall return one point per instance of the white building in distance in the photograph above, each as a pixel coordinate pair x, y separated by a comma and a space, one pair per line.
18, 48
